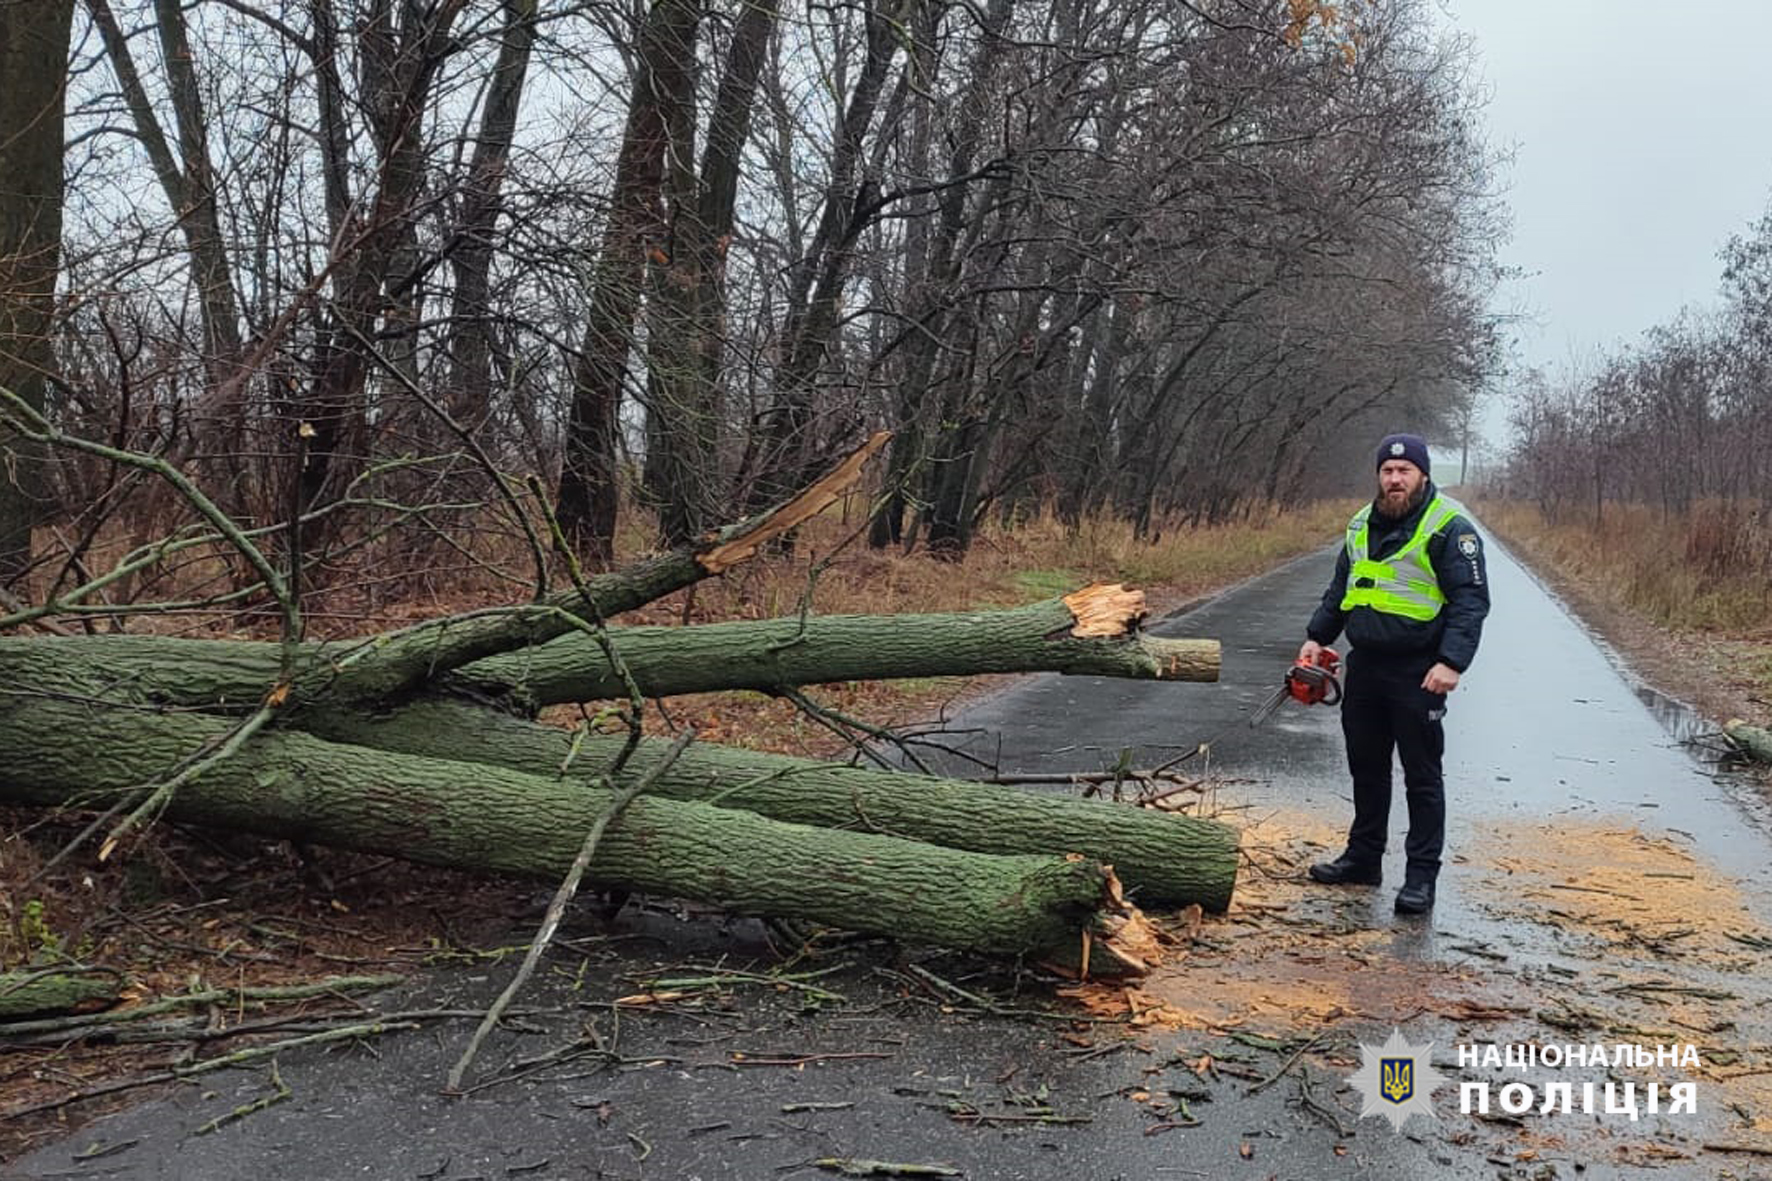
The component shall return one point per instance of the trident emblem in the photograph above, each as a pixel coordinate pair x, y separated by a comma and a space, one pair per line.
1397, 1079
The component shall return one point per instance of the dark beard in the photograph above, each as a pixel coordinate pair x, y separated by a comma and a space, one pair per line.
1413, 503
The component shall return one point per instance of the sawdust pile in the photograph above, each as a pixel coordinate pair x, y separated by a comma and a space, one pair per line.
1288, 956
1615, 885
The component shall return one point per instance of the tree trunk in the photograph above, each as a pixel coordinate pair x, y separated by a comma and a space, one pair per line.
681, 473
33, 66
686, 345
1091, 633
590, 487
29, 993
470, 362
777, 653
1162, 857
440, 812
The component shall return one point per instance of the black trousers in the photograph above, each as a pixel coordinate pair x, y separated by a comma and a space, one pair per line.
1384, 709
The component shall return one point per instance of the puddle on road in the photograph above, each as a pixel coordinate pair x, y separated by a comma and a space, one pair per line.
1685, 725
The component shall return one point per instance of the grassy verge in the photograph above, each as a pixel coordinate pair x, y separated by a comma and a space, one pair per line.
1685, 597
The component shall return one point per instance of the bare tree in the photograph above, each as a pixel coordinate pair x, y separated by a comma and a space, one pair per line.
34, 37
590, 484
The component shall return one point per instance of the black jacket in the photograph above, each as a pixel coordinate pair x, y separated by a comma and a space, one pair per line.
1456, 554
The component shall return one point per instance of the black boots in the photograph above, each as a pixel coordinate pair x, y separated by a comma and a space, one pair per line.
1344, 871
1415, 898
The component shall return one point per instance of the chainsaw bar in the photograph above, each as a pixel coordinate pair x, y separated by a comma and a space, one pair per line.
1261, 712
1308, 684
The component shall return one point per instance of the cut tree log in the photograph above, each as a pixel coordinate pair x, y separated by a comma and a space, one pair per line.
476, 816
1161, 857
1093, 632
1752, 741
34, 994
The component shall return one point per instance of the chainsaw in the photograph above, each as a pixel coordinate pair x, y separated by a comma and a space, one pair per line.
1305, 683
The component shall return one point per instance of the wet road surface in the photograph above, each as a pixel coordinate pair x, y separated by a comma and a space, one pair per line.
1601, 887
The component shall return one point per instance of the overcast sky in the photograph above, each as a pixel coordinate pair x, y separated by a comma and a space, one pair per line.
1642, 139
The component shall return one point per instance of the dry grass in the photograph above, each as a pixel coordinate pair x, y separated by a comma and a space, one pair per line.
1708, 569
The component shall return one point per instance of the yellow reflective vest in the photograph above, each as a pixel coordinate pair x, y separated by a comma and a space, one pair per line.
1402, 583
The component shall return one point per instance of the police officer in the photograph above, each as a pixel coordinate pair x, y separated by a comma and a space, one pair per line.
1411, 590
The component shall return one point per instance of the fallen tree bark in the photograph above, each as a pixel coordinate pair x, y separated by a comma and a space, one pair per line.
33, 994
1752, 741
441, 812
776, 653
1072, 635
1160, 856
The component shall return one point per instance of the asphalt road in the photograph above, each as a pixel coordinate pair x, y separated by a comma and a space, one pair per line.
1602, 886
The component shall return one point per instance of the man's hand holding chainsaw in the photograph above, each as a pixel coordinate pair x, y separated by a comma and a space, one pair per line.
1441, 678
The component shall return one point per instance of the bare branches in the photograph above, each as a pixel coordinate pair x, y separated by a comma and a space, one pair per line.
1102, 254
29, 423
618, 802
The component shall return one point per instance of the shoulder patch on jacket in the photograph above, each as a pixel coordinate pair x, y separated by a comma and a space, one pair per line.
1468, 545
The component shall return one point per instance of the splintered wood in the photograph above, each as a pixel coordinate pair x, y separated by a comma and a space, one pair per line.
808, 504
1105, 609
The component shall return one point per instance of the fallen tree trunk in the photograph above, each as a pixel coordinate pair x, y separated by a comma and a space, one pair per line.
441, 812
1752, 741
1160, 856
1071, 635
34, 994
1092, 633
